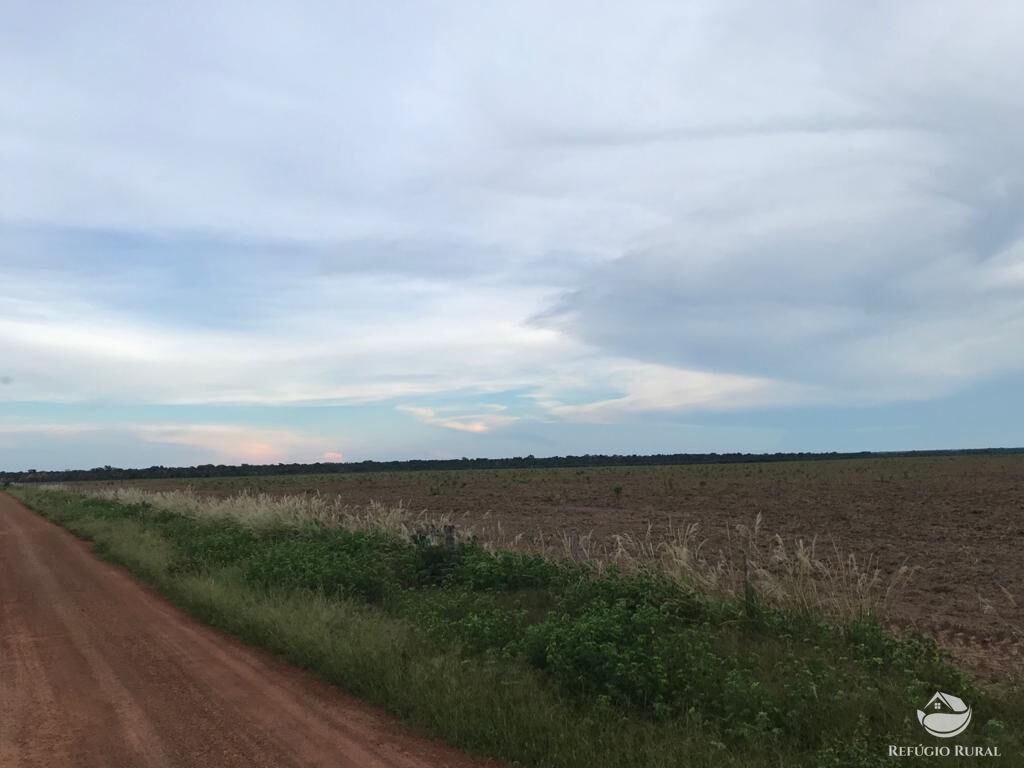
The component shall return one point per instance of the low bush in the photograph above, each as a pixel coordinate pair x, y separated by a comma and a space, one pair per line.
356, 568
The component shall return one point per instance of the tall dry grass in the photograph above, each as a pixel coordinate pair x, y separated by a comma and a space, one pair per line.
801, 573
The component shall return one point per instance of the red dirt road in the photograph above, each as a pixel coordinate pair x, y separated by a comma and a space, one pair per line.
96, 670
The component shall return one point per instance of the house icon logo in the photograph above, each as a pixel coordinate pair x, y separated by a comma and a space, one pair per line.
945, 716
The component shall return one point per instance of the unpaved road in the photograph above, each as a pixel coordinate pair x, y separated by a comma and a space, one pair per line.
97, 670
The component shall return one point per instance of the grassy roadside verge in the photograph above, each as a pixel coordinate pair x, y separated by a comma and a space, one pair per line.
544, 663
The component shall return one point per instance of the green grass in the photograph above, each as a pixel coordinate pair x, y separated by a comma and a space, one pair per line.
542, 663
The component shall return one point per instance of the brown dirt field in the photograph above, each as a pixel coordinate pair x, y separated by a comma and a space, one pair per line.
96, 670
958, 519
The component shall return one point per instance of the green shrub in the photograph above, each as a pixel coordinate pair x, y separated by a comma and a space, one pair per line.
502, 571
210, 545
360, 569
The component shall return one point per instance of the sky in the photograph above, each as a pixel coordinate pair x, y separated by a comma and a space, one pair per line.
324, 231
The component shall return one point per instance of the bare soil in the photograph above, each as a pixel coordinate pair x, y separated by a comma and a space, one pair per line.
958, 520
98, 671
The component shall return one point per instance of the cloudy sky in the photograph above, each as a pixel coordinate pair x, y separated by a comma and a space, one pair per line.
262, 232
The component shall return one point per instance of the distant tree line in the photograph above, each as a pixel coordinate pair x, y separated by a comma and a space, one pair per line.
413, 465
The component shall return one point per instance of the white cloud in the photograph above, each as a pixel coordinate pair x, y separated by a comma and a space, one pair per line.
206, 443
476, 422
351, 340
649, 388
238, 443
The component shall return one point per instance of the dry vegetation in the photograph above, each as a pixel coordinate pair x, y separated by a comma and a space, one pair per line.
928, 543
801, 574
